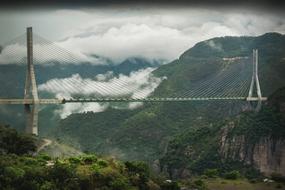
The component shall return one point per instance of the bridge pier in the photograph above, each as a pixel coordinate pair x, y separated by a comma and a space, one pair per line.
31, 91
255, 82
31, 112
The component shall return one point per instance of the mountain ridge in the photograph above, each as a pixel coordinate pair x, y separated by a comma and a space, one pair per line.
134, 138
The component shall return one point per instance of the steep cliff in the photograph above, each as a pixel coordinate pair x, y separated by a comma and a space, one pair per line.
258, 139
249, 142
267, 155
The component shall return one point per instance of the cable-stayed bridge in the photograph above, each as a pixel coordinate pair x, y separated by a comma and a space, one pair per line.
239, 77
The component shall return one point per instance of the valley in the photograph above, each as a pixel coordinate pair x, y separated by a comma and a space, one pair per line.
203, 145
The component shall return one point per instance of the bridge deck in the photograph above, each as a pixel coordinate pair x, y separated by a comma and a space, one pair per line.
63, 101
30, 101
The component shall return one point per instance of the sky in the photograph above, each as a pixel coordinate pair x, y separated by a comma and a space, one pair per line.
138, 31
133, 30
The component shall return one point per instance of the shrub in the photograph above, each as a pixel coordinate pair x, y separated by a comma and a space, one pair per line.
102, 163
48, 186
14, 172
44, 157
60, 172
170, 186
14, 143
74, 160
95, 167
211, 173
89, 159
138, 167
199, 183
196, 184
252, 173
152, 186
278, 177
232, 174
139, 173
119, 183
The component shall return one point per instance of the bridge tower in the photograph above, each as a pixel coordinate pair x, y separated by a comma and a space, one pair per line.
255, 82
31, 91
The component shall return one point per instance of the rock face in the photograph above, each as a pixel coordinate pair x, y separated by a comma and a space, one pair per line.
268, 155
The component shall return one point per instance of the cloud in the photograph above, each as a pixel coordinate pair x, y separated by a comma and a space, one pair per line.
164, 33
44, 53
154, 33
132, 40
68, 109
134, 105
138, 84
216, 46
13, 53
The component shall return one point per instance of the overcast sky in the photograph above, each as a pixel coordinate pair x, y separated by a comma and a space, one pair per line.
151, 32
119, 32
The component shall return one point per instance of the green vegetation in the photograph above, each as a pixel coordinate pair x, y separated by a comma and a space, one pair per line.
84, 172
13, 75
22, 170
184, 137
199, 150
211, 173
232, 175
144, 133
11, 142
258, 125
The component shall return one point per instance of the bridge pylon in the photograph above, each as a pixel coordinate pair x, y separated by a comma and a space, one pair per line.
255, 82
31, 91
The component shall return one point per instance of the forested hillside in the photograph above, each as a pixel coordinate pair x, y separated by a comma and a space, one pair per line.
22, 168
144, 133
243, 142
183, 139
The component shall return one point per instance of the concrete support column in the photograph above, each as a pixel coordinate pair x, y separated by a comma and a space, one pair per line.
31, 91
255, 81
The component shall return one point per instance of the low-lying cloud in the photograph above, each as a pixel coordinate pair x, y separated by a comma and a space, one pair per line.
138, 84
68, 109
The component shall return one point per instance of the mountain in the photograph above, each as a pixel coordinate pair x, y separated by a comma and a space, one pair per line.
145, 133
206, 58
12, 78
181, 139
14, 74
135, 64
249, 142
